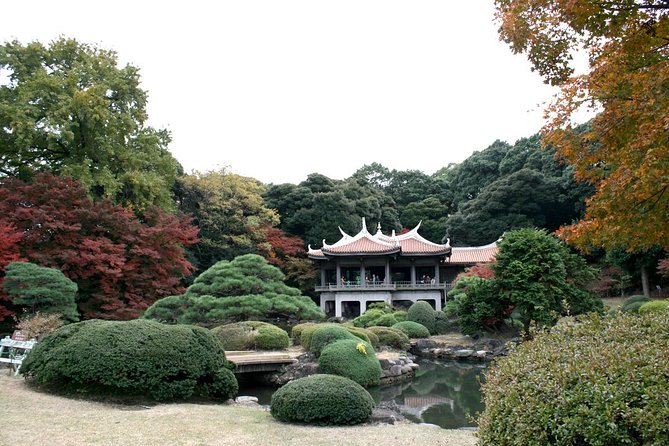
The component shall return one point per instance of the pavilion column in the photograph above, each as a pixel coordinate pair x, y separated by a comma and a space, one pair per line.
323, 275
437, 303
413, 273
363, 280
363, 305
337, 307
338, 272
436, 272
387, 278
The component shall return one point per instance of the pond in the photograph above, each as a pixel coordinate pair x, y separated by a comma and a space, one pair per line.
442, 393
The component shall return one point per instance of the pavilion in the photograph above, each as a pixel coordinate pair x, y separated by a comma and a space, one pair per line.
397, 269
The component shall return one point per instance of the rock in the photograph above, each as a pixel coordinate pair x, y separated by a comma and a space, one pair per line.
383, 416
246, 400
425, 344
429, 425
406, 369
414, 366
386, 363
481, 354
464, 353
395, 370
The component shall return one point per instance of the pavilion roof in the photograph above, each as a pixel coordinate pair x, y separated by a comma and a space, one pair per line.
365, 243
474, 254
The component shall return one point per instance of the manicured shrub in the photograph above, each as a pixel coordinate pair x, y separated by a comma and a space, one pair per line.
251, 335
423, 313
308, 332
327, 334
364, 334
138, 357
296, 331
391, 337
367, 318
387, 320
412, 329
400, 316
352, 358
656, 306
441, 323
599, 382
633, 304
322, 400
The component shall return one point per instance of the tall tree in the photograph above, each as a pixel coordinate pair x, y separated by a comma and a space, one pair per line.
40, 289
230, 212
121, 264
9, 252
624, 153
68, 108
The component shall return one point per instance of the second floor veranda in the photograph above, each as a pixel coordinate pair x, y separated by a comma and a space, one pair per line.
402, 285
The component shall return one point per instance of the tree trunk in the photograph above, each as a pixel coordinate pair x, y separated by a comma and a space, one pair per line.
645, 281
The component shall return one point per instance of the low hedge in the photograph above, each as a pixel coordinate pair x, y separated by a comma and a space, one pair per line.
251, 335
633, 303
308, 332
327, 334
655, 306
599, 382
352, 358
138, 357
391, 337
423, 313
412, 329
364, 334
296, 331
322, 400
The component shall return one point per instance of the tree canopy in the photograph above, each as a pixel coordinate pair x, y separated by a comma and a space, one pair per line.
246, 288
69, 109
36, 288
625, 151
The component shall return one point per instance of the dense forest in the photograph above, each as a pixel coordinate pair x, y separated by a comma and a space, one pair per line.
87, 187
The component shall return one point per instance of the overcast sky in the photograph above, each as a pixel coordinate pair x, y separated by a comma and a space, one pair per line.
279, 89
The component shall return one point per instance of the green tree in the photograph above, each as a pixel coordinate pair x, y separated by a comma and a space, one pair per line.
69, 109
229, 211
246, 288
433, 215
46, 290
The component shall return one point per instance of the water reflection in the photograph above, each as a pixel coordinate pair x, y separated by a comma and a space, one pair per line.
441, 393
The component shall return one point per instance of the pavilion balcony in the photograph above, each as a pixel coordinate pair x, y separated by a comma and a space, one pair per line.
381, 286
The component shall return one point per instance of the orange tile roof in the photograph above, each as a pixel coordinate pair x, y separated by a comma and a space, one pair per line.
479, 254
418, 247
362, 245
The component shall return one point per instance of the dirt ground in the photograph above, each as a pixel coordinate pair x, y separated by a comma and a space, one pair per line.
36, 418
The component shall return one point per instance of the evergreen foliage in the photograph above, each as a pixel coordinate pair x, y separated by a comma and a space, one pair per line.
598, 382
412, 329
251, 335
247, 287
656, 306
326, 335
296, 331
136, 357
347, 358
391, 337
364, 334
40, 289
423, 313
322, 400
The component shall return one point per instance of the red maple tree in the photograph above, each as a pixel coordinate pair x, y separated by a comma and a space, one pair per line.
121, 264
9, 252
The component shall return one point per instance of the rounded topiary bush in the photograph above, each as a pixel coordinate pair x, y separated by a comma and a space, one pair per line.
138, 357
251, 335
352, 358
327, 334
368, 318
391, 337
633, 303
441, 323
423, 313
599, 382
308, 332
412, 329
364, 334
322, 400
656, 306
400, 315
387, 320
296, 331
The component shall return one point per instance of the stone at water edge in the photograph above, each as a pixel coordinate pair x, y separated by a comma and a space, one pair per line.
246, 400
464, 353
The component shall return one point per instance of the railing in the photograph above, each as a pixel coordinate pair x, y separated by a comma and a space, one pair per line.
381, 286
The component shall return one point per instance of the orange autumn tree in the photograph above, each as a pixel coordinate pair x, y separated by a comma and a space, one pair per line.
624, 153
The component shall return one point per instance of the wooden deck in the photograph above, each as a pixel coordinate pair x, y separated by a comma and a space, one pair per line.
259, 361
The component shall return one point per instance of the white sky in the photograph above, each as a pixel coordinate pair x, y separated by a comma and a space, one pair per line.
279, 89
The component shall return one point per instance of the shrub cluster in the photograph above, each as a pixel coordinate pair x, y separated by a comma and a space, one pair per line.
412, 329
251, 335
656, 306
379, 315
423, 313
634, 303
136, 357
322, 400
599, 382
327, 334
391, 337
352, 358
296, 331
364, 334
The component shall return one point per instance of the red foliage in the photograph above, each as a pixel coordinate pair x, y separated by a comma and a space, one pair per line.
279, 246
9, 252
121, 264
663, 267
482, 270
